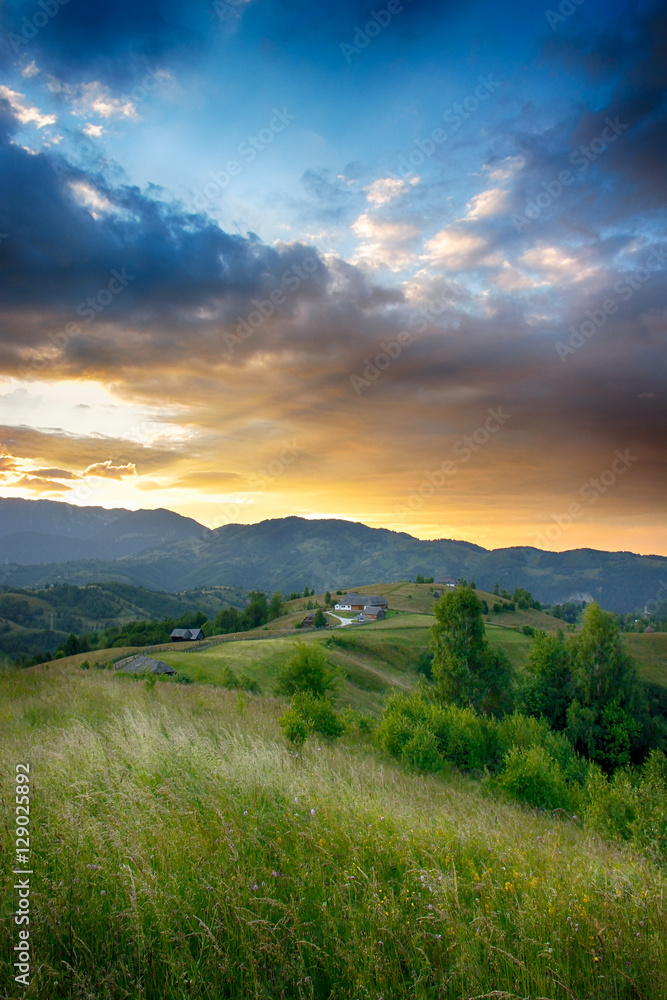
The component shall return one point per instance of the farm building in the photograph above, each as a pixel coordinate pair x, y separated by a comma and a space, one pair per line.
308, 621
373, 613
186, 634
357, 602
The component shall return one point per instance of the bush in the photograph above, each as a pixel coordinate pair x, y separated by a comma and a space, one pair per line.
397, 724
534, 777
243, 682
308, 670
320, 713
296, 729
632, 805
470, 742
421, 750
611, 806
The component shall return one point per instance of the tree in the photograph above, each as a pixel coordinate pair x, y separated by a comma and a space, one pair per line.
229, 620
276, 606
257, 609
306, 591
549, 688
466, 671
608, 715
495, 589
327, 599
308, 670
419, 578
319, 621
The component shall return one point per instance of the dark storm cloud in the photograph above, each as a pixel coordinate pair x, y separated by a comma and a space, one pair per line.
112, 41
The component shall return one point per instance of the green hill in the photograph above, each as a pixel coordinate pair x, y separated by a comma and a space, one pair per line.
375, 657
35, 621
180, 850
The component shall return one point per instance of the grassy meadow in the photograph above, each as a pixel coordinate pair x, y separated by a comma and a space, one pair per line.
181, 851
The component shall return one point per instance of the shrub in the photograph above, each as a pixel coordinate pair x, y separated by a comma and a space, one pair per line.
308, 670
364, 723
296, 729
248, 683
472, 742
319, 713
421, 750
611, 806
650, 827
632, 805
533, 776
395, 728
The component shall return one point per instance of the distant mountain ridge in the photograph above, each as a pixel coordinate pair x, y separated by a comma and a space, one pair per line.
292, 552
48, 531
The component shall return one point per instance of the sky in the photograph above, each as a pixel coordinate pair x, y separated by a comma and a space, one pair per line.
401, 262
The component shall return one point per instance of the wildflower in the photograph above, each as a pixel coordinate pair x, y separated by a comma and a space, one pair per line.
312, 812
102, 892
254, 888
245, 812
296, 799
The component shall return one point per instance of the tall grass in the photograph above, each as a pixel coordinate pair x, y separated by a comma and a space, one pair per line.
182, 852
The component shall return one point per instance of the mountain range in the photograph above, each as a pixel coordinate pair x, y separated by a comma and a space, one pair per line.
44, 541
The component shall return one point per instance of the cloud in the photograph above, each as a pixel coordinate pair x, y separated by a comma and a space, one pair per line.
385, 242
55, 473
384, 190
486, 203
455, 249
24, 112
38, 485
114, 43
94, 98
107, 470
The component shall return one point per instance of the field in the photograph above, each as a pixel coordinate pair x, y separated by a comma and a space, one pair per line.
181, 851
